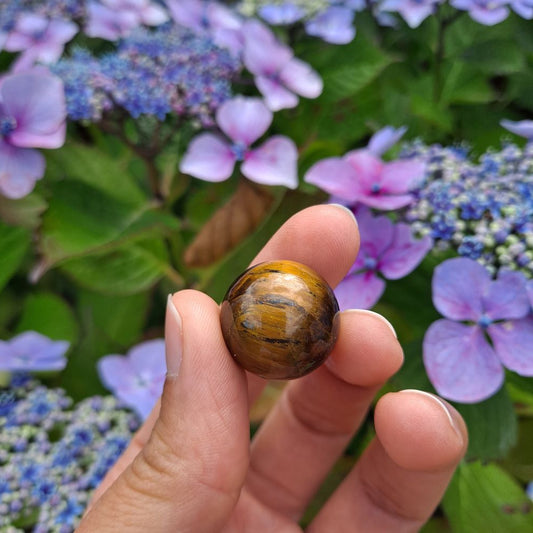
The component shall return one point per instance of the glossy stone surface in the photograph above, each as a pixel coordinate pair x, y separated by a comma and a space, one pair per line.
279, 320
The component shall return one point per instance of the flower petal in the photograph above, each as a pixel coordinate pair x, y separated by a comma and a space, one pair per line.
506, 297
458, 285
460, 363
273, 163
20, 168
286, 13
402, 176
529, 288
377, 233
404, 254
333, 25
367, 168
359, 291
115, 372
335, 176
275, 94
384, 139
513, 341
208, 158
141, 400
386, 202
243, 119
148, 358
300, 78
524, 128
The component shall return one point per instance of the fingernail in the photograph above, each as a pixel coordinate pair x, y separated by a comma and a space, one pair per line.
173, 339
349, 211
443, 405
372, 313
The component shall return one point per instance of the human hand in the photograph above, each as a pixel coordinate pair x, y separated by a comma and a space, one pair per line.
191, 466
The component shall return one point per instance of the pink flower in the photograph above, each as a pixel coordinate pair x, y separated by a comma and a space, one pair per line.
212, 158
278, 75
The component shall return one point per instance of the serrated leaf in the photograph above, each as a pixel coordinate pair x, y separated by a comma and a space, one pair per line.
14, 242
492, 426
126, 270
483, 497
50, 315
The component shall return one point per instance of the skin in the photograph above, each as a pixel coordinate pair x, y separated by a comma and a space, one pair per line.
191, 466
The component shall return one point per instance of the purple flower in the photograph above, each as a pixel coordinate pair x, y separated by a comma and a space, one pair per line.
212, 158
219, 22
113, 19
460, 361
487, 12
360, 176
524, 128
32, 115
137, 378
31, 351
286, 13
39, 39
278, 75
529, 289
384, 139
523, 8
334, 25
388, 250
414, 12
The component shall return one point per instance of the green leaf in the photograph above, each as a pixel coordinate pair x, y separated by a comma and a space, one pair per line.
50, 315
128, 269
498, 56
463, 84
483, 497
492, 426
25, 212
14, 243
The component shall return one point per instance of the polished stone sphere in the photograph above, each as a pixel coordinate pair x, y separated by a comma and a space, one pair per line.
280, 320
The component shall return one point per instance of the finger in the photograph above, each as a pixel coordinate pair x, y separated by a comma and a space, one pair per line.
323, 237
403, 474
317, 415
136, 444
197, 455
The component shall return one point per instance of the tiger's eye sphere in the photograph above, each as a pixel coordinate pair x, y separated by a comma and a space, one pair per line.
279, 320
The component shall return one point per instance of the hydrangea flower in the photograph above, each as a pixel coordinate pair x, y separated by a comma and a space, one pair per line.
212, 158
209, 18
136, 378
414, 12
39, 39
32, 115
281, 14
361, 176
523, 8
30, 351
460, 361
333, 25
113, 19
278, 75
524, 128
387, 251
487, 12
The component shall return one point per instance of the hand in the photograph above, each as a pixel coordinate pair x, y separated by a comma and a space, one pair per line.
191, 466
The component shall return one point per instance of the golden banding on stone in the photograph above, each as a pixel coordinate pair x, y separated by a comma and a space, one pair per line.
280, 320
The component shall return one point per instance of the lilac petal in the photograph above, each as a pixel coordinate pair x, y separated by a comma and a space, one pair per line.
335, 176
208, 158
377, 233
385, 202
276, 95
334, 25
20, 168
524, 128
141, 400
404, 254
148, 358
263, 54
400, 177
523, 8
21, 38
107, 23
243, 119
359, 291
460, 363
115, 372
273, 163
286, 13
153, 15
458, 285
489, 17
367, 168
37, 102
32, 351
384, 139
506, 297
513, 341
220, 16
415, 14
188, 13
529, 289
300, 78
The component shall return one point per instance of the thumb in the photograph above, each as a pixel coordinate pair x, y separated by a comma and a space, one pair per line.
189, 475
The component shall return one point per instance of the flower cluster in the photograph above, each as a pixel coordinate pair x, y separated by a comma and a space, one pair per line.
151, 72
483, 210
54, 453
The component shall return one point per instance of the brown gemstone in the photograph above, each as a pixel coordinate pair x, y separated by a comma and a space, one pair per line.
279, 320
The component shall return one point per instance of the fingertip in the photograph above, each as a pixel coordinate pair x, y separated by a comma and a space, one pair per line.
419, 431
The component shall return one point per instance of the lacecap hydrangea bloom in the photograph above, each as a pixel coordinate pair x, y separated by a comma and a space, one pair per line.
488, 326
